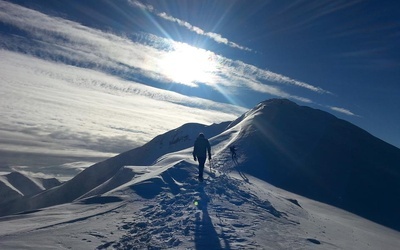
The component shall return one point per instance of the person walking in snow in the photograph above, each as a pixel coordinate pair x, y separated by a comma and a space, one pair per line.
200, 150
233, 152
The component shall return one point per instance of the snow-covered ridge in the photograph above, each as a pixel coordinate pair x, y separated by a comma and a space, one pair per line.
96, 175
303, 150
313, 153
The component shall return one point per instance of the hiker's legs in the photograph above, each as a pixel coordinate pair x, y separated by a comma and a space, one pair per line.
202, 161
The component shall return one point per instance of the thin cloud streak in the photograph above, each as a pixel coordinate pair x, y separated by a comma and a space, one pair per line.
216, 37
343, 111
257, 74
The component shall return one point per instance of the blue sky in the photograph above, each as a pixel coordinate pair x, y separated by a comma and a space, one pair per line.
154, 65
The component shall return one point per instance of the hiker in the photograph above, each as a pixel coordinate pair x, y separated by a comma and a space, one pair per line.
200, 150
233, 152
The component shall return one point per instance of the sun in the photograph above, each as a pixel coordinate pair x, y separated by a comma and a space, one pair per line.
188, 65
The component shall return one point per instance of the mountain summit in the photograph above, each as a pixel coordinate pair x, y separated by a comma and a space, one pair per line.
315, 154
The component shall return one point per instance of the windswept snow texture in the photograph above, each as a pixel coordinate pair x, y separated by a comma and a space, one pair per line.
149, 197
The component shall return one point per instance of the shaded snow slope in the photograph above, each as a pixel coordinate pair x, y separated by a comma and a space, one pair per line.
168, 208
17, 185
313, 153
7, 191
100, 173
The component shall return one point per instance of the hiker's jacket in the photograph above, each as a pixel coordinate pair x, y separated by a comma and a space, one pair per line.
201, 147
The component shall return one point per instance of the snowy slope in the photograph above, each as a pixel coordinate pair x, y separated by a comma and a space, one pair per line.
149, 197
313, 153
160, 211
98, 174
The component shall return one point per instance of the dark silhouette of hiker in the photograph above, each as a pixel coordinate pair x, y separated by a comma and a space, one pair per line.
233, 152
200, 150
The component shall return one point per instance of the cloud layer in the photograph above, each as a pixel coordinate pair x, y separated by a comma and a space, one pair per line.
67, 89
52, 108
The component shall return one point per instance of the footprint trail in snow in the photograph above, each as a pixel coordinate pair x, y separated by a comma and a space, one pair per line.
221, 213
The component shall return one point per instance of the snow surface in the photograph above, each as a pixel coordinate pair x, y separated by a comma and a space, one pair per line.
149, 198
160, 212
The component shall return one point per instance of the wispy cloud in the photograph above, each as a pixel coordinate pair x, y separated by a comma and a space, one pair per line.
256, 74
66, 41
216, 37
343, 111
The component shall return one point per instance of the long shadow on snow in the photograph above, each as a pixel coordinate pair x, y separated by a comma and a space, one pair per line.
206, 237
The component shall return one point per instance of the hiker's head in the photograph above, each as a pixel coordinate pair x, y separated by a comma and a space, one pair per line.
201, 135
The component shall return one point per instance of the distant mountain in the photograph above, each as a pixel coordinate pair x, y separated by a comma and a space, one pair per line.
297, 148
16, 185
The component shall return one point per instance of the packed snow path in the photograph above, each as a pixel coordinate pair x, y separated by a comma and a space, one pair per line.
216, 214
